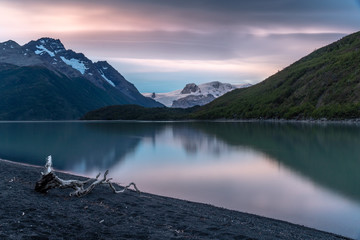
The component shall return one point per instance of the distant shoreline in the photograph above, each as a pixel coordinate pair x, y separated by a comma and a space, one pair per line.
310, 121
104, 215
306, 121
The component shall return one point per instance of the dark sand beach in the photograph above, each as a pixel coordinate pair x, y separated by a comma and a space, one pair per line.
26, 214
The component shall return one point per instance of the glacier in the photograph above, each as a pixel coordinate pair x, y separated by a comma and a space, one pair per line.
215, 88
76, 64
42, 49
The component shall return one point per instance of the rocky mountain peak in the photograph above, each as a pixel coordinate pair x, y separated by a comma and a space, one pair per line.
114, 78
190, 88
193, 94
10, 44
9, 48
12, 53
103, 66
54, 45
216, 84
51, 82
46, 46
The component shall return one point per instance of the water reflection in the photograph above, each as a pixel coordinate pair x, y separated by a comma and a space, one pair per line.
328, 154
76, 146
270, 169
196, 140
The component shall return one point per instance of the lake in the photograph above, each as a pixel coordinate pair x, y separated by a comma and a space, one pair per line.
307, 174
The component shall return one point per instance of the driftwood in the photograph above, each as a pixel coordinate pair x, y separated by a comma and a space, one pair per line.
49, 180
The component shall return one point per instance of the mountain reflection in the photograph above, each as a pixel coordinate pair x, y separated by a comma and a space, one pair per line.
73, 145
327, 154
195, 140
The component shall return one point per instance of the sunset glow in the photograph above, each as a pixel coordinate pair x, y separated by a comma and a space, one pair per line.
172, 43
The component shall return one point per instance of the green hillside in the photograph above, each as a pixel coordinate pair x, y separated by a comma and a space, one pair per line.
36, 93
324, 84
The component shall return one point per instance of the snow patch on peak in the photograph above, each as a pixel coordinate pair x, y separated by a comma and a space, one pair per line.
106, 79
105, 68
42, 49
59, 50
216, 89
76, 64
51, 44
205, 90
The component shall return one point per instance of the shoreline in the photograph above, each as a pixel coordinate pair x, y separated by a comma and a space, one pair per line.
355, 121
105, 215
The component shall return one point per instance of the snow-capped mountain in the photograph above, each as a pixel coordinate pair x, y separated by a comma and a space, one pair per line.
108, 86
192, 94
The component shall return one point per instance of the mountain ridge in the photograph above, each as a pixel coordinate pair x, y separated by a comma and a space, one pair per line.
192, 94
104, 85
322, 85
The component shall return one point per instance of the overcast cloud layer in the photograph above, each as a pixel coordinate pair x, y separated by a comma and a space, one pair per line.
160, 45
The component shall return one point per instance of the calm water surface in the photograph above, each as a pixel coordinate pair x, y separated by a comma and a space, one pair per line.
302, 173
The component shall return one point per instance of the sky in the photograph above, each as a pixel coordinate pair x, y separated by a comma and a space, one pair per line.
160, 45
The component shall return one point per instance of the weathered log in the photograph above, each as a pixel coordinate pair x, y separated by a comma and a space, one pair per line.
49, 180
46, 182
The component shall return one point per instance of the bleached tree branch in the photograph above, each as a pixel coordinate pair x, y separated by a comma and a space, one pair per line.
49, 180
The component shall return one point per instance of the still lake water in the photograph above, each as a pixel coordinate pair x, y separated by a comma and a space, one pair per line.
307, 174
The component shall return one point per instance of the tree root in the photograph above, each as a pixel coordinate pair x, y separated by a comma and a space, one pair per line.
49, 180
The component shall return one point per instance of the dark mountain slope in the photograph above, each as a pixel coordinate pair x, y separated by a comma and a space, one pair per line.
324, 84
33, 74
36, 93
